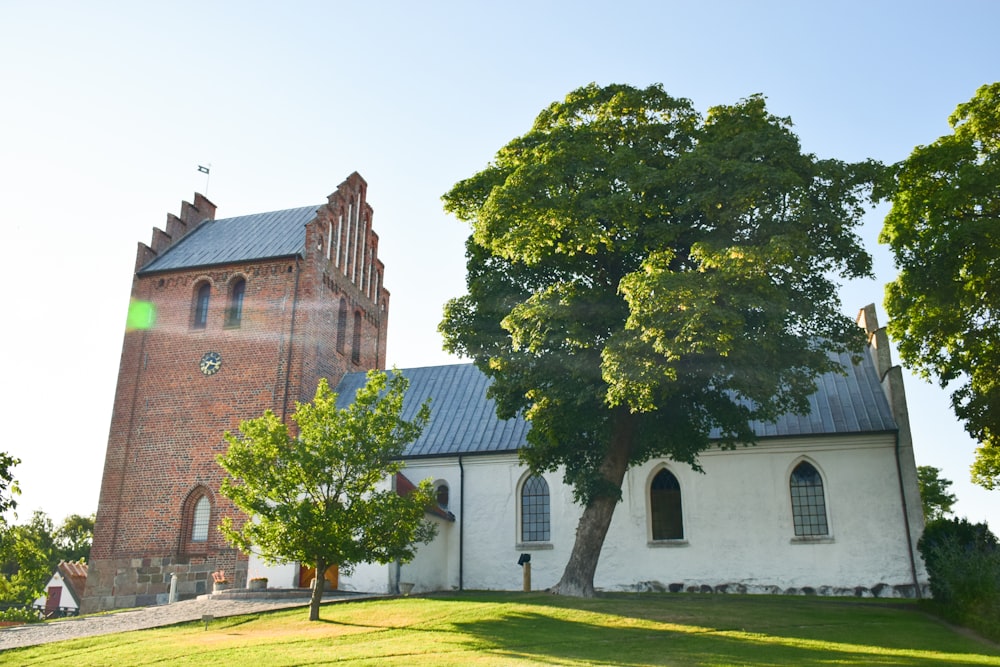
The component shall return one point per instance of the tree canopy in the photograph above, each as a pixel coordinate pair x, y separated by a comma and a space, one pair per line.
944, 233
315, 496
934, 495
639, 275
8, 485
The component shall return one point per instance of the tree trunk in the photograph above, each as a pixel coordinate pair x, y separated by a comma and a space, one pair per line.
578, 577
319, 585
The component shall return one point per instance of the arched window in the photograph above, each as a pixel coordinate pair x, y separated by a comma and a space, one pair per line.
808, 503
201, 305
441, 494
356, 343
342, 326
200, 520
234, 313
535, 510
665, 507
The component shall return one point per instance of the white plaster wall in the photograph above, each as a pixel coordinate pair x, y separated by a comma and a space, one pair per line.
737, 522
281, 575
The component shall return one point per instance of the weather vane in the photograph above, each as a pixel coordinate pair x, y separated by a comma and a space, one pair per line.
206, 171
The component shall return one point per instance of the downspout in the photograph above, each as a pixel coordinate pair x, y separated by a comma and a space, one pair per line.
291, 340
906, 522
461, 523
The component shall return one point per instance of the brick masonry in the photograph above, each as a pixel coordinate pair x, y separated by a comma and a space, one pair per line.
319, 314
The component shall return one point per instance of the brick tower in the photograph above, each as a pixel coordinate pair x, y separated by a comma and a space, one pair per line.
245, 314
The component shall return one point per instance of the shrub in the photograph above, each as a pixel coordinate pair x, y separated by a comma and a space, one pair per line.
20, 615
963, 561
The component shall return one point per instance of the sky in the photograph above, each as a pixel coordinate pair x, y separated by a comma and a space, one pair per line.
108, 108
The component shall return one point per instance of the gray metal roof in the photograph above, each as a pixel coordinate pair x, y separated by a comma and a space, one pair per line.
852, 403
240, 239
464, 421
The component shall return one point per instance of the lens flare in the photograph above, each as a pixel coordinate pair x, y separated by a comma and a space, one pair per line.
141, 315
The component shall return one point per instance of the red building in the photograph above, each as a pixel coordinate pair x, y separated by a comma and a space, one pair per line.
229, 318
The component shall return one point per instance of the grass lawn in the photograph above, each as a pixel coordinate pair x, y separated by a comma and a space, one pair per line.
539, 629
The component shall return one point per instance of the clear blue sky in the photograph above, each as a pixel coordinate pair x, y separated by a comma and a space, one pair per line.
108, 107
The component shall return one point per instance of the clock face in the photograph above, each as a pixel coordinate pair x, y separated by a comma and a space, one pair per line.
210, 362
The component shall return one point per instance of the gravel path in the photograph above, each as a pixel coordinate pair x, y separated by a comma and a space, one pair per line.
148, 617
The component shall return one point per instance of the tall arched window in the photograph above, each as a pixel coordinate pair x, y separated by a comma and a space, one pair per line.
808, 502
200, 520
342, 326
665, 507
356, 344
234, 312
535, 510
201, 297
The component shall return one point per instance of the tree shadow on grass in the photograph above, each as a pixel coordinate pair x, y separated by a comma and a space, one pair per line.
541, 639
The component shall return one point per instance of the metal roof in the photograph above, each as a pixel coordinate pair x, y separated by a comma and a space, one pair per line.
240, 239
463, 420
851, 403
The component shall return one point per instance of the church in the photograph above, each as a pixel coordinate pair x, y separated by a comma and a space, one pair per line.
250, 312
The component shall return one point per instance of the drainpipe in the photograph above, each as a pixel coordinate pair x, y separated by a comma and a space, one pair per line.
461, 523
906, 522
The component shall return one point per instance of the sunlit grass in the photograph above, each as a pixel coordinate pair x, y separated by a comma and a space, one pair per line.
532, 629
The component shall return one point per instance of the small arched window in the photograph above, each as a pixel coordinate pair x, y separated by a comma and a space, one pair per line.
200, 520
234, 313
201, 298
665, 507
808, 501
342, 326
356, 343
535, 510
441, 495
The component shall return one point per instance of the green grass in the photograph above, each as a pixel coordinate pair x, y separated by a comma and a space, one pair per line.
538, 629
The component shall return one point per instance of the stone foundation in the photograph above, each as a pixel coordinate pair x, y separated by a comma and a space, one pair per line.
140, 582
881, 590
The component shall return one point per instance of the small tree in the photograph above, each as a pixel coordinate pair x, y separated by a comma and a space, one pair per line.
314, 497
934, 494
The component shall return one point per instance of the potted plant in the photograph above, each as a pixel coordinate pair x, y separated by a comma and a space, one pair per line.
258, 584
219, 581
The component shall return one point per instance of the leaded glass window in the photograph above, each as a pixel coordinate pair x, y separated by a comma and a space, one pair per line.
535, 510
808, 503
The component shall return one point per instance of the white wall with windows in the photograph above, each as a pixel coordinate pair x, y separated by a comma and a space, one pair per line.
733, 524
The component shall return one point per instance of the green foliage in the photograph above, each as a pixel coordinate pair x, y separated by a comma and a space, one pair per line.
20, 615
74, 536
8, 486
934, 496
314, 497
638, 276
963, 562
28, 557
944, 232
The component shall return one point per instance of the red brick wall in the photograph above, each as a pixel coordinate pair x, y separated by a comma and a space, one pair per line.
169, 419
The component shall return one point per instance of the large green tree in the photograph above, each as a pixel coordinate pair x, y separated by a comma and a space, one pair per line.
944, 306
639, 276
314, 496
